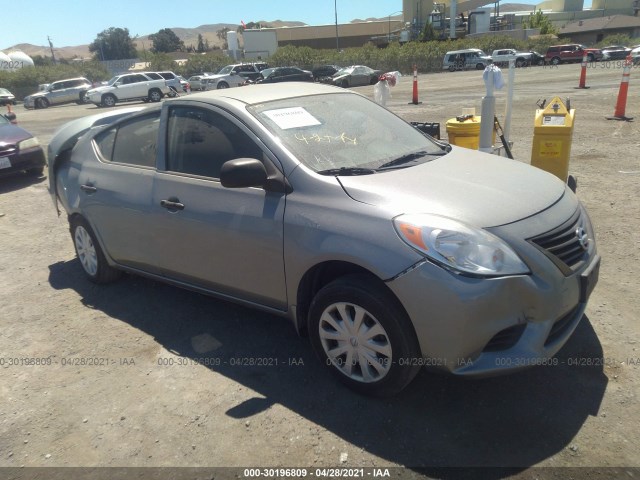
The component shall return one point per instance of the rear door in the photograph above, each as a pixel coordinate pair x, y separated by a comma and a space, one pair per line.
116, 182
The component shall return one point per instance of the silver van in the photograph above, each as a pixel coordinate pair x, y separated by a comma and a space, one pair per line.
465, 59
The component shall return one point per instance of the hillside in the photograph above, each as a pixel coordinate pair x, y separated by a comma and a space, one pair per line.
188, 35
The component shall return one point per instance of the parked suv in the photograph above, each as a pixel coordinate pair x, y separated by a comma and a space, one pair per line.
173, 82
57, 93
129, 86
572, 52
235, 75
465, 59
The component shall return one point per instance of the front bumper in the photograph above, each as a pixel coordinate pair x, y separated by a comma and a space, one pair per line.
487, 326
28, 159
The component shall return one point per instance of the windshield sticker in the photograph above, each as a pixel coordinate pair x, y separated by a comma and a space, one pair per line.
315, 138
294, 117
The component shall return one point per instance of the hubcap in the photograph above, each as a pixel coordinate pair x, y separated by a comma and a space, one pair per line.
355, 342
86, 251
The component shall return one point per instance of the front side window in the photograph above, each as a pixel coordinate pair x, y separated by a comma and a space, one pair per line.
132, 142
200, 141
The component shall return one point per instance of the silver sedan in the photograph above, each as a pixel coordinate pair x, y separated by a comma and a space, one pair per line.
390, 249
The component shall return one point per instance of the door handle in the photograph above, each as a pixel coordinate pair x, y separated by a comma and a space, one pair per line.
88, 188
172, 204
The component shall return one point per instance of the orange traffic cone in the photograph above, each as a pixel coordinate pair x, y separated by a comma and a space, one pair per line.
583, 73
622, 93
415, 86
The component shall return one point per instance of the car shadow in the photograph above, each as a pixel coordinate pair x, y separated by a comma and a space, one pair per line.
438, 421
18, 181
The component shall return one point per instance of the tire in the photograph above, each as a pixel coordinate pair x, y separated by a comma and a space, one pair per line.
35, 172
222, 85
555, 61
452, 68
373, 80
590, 57
541, 62
384, 335
109, 100
520, 62
155, 95
82, 98
480, 66
172, 93
344, 84
93, 262
42, 103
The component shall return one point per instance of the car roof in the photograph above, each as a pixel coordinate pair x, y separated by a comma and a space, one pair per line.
254, 94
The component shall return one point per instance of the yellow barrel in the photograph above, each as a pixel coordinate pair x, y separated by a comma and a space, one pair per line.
465, 133
552, 137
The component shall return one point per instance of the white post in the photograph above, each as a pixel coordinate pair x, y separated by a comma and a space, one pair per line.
507, 110
452, 18
488, 113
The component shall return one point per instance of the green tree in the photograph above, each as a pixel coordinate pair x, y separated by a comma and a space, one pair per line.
222, 35
428, 33
113, 44
539, 20
166, 41
202, 46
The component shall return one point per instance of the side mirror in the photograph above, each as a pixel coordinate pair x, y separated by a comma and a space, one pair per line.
242, 173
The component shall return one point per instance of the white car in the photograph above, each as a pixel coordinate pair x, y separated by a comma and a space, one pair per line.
128, 86
635, 55
235, 75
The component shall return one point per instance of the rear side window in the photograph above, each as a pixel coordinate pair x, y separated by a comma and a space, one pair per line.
132, 142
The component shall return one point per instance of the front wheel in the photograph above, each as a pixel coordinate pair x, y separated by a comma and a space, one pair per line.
555, 61
42, 103
90, 254
222, 85
480, 66
361, 332
108, 100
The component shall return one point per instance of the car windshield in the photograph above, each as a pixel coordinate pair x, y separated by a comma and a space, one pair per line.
344, 71
226, 70
266, 72
3, 120
113, 80
345, 133
4, 91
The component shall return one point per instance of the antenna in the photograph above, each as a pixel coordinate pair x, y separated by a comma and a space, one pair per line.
53, 56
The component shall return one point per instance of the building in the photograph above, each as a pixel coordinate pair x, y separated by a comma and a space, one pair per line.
594, 30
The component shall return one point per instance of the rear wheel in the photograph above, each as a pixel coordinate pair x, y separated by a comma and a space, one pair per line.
108, 100
360, 331
90, 254
82, 98
344, 83
155, 95
591, 57
555, 61
480, 66
520, 62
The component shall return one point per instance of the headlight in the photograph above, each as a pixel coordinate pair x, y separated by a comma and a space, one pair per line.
460, 247
28, 143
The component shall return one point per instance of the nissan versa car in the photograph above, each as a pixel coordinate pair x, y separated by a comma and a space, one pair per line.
390, 249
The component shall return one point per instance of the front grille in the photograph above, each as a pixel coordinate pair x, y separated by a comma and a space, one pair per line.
563, 243
560, 326
505, 339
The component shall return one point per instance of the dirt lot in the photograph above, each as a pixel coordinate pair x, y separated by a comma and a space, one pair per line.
124, 387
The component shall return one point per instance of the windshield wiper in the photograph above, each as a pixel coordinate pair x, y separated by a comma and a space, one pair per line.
347, 171
408, 158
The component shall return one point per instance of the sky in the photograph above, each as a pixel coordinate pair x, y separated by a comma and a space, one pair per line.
70, 23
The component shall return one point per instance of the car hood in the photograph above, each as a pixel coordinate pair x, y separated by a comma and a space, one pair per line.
12, 134
480, 189
102, 88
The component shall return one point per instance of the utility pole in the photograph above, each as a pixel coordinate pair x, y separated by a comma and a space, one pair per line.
335, 8
53, 56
